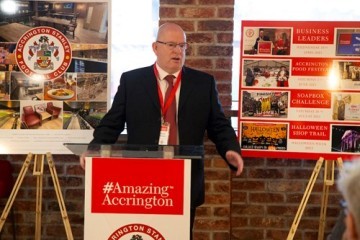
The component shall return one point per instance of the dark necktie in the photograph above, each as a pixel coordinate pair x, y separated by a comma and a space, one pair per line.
170, 115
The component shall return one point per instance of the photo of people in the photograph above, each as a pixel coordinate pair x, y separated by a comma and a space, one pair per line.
277, 41
282, 77
345, 138
266, 73
250, 77
262, 37
264, 136
282, 43
264, 104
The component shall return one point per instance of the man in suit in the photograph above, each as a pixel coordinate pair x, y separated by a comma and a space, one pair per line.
262, 37
140, 99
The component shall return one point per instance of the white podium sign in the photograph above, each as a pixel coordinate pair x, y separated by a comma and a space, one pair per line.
137, 199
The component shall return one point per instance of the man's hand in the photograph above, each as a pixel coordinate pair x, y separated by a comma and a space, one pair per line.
235, 160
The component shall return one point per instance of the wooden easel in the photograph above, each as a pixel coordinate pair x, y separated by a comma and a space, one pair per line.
329, 173
38, 172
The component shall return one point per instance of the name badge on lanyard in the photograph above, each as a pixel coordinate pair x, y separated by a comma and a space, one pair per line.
165, 126
164, 133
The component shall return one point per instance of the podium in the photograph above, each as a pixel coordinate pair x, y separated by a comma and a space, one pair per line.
265, 47
137, 191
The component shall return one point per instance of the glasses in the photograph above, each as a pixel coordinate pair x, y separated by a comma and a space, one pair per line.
172, 45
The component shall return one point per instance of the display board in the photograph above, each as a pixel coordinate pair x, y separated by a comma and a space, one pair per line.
301, 99
53, 74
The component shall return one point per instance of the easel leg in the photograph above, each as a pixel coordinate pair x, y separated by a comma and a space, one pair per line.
15, 190
328, 181
305, 199
38, 172
59, 197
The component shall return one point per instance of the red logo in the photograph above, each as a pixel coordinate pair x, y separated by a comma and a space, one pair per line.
43, 53
135, 232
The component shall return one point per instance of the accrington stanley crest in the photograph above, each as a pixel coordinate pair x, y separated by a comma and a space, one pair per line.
43, 53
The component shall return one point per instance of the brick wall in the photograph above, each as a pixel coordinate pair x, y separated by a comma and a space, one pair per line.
260, 204
267, 196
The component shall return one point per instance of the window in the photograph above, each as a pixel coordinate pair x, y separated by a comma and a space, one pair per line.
132, 36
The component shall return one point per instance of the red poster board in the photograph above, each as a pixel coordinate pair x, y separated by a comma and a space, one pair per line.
137, 197
301, 101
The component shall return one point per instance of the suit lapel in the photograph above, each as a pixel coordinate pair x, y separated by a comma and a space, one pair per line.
185, 89
150, 85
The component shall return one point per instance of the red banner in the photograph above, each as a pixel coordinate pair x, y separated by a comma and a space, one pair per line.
128, 198
129, 187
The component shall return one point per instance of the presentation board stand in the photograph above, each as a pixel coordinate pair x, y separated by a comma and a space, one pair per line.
38, 172
137, 192
329, 173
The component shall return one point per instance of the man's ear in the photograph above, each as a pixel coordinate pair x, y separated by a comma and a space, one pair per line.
351, 226
154, 47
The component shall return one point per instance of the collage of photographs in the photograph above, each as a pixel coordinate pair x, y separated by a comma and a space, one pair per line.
76, 99
273, 70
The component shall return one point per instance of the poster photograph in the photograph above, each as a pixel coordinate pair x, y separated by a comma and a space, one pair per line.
267, 41
313, 74
349, 74
265, 73
345, 139
346, 106
348, 42
264, 136
263, 104
54, 81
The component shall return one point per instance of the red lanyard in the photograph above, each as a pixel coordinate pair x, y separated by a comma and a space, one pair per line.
165, 107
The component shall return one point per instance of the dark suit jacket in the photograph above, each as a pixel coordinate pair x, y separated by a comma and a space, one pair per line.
136, 103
